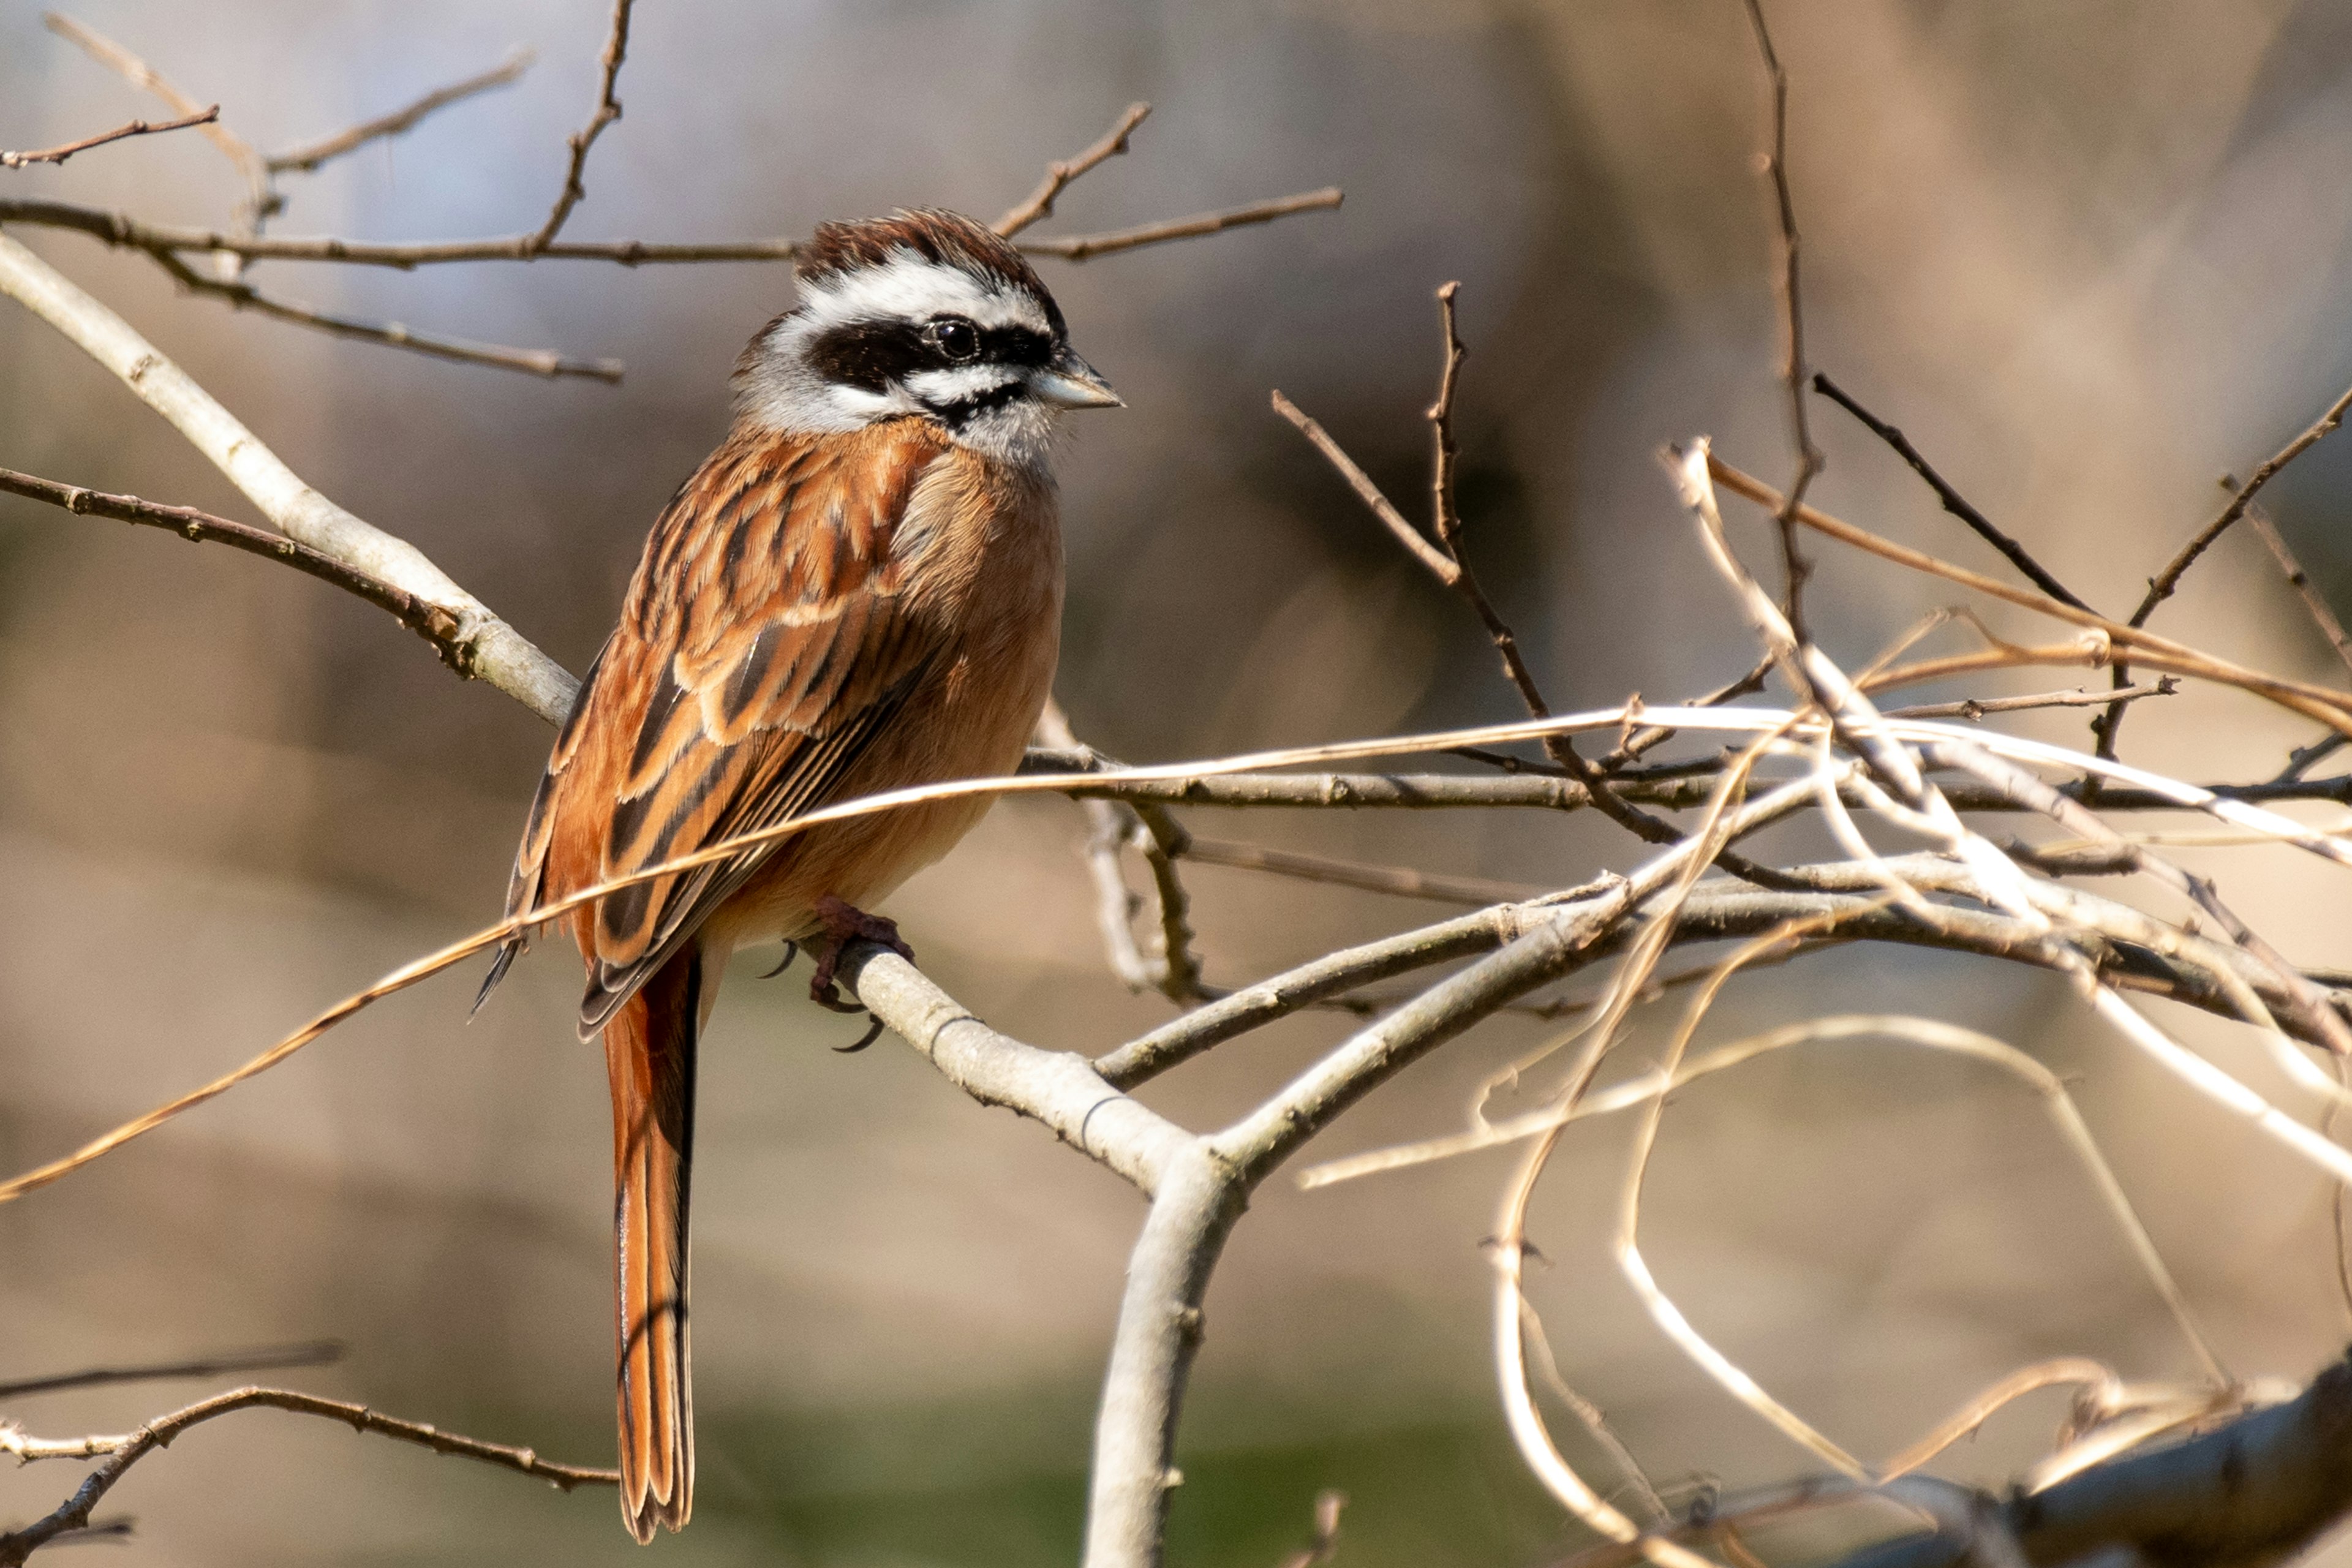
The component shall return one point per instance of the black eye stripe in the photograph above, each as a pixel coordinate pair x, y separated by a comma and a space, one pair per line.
870, 356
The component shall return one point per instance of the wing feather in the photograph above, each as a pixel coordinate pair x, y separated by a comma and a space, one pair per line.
765, 642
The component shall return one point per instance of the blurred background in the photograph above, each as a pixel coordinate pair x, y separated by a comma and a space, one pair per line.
2089, 256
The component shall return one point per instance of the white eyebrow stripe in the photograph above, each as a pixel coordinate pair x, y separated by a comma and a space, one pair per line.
908, 288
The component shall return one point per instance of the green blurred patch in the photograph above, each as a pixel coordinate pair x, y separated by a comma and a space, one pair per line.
1003, 1482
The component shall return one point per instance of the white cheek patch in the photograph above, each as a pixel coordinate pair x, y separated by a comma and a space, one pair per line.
939, 387
908, 288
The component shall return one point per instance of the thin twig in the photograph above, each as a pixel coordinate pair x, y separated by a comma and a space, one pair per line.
307, 159
1400, 880
1954, 502
1039, 205
1080, 248
243, 296
1439, 564
1643, 741
2163, 585
430, 621
2323, 615
135, 128
2330, 707
491, 649
1162, 843
1774, 162
273, 1358
2166, 582
119, 1453
261, 201
121, 229
608, 110
1974, 708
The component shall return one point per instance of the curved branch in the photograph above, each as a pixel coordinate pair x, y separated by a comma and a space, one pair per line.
429, 621
489, 649
120, 1453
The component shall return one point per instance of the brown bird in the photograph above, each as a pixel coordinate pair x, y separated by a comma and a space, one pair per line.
860, 590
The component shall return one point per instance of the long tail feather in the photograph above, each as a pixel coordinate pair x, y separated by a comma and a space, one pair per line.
649, 1054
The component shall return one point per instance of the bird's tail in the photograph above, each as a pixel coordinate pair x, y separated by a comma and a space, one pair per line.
649, 1054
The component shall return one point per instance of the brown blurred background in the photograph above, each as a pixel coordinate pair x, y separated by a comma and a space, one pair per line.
2088, 255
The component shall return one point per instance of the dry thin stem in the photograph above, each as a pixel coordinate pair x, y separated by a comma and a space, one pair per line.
135, 128
2331, 708
2323, 615
1403, 881
2060, 1371
1954, 502
427, 620
119, 1453
1975, 707
1773, 162
1162, 843
608, 110
308, 159
243, 296
272, 1358
1437, 561
1039, 205
2166, 582
2163, 585
261, 200
491, 650
1080, 248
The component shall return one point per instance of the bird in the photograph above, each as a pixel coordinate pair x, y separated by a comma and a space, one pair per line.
859, 590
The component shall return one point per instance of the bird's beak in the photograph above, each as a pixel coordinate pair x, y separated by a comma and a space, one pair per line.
1070, 382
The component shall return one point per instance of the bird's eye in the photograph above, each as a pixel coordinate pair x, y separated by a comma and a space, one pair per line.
954, 337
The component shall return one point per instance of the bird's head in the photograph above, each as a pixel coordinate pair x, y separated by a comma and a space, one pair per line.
922, 314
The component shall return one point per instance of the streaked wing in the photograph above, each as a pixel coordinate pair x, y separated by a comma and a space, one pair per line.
764, 643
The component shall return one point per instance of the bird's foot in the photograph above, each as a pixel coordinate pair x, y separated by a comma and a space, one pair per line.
791, 951
843, 925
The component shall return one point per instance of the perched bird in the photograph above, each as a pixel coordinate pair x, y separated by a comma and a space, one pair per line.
860, 590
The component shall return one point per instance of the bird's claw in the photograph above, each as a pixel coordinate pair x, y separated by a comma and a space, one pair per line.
791, 951
844, 924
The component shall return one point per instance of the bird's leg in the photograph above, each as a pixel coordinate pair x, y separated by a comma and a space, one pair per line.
842, 925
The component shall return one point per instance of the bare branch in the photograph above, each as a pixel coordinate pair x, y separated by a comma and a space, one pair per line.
1039, 204
1080, 248
1057, 1088
1163, 843
121, 229
2331, 708
490, 649
261, 198
1954, 502
1974, 708
313, 1353
2260, 1489
436, 625
608, 110
120, 1453
2323, 615
243, 296
1403, 881
1773, 162
1439, 564
2163, 585
307, 159
135, 128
